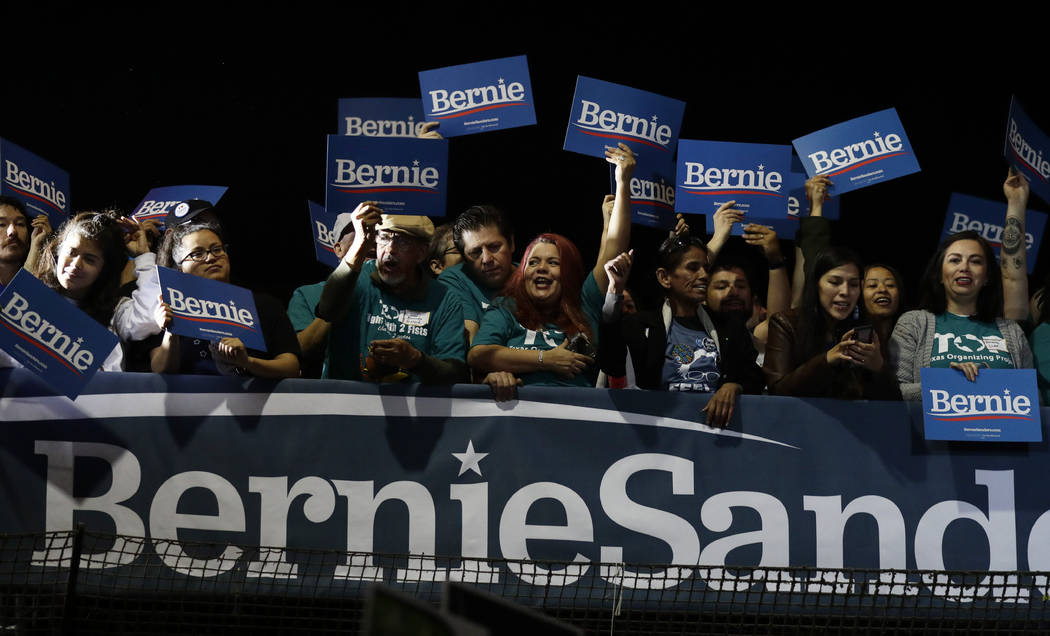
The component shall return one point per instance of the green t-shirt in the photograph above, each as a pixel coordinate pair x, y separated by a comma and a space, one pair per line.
478, 298
500, 327
965, 339
1041, 353
433, 324
303, 304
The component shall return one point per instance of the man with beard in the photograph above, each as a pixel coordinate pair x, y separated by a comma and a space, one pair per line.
391, 322
16, 244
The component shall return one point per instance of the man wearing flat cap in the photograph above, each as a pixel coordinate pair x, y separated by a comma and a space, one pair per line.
390, 321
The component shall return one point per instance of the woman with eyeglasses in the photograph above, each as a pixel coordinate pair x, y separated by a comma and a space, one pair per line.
197, 248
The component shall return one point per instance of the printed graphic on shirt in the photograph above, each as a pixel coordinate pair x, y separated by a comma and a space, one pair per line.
960, 339
690, 361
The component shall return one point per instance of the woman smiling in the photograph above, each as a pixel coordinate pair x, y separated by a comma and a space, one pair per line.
815, 351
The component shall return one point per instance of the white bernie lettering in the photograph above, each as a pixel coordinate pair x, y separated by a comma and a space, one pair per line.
349, 173
38, 328
877, 146
593, 117
21, 179
443, 101
202, 308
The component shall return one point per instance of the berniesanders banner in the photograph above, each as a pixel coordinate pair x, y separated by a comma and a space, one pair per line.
48, 335
380, 117
986, 217
160, 201
713, 172
859, 152
403, 176
604, 114
1025, 146
579, 476
41, 185
1002, 405
479, 97
211, 309
322, 226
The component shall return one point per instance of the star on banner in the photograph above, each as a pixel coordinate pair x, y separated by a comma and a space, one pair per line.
469, 460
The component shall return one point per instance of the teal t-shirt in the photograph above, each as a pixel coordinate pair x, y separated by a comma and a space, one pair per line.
1040, 340
479, 299
500, 327
433, 324
303, 304
965, 339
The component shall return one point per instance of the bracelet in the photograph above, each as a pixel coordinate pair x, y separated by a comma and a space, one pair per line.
541, 356
779, 265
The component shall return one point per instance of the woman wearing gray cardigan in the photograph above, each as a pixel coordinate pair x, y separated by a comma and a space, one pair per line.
961, 324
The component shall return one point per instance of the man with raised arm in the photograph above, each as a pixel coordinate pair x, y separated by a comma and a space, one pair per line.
390, 321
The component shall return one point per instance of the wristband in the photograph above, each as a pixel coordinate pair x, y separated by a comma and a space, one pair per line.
779, 265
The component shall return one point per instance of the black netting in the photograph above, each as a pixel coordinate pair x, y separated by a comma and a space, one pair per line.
135, 585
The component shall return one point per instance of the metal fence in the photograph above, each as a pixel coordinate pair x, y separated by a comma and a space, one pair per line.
87, 582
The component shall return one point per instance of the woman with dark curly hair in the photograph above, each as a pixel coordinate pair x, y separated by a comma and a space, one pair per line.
83, 262
960, 323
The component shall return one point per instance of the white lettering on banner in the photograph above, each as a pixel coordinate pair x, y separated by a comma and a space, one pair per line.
853, 154
156, 208
48, 335
351, 175
182, 305
1025, 152
991, 232
654, 191
792, 206
325, 236
515, 532
22, 180
699, 178
594, 117
443, 102
970, 405
358, 127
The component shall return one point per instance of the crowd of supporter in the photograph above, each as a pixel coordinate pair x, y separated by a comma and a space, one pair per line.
409, 302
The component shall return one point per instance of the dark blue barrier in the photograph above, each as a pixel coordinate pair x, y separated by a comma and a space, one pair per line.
576, 476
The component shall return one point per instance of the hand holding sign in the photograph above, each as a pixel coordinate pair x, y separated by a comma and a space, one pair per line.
969, 369
1016, 189
429, 131
764, 237
817, 192
623, 159
366, 217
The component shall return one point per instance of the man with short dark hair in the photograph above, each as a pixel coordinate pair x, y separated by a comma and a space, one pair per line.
390, 321
484, 237
16, 243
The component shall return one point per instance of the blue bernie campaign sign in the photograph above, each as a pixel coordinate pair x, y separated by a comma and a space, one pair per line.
49, 336
859, 152
41, 185
713, 172
479, 97
604, 114
652, 193
1025, 146
210, 309
160, 201
322, 227
380, 117
404, 176
986, 217
1002, 405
